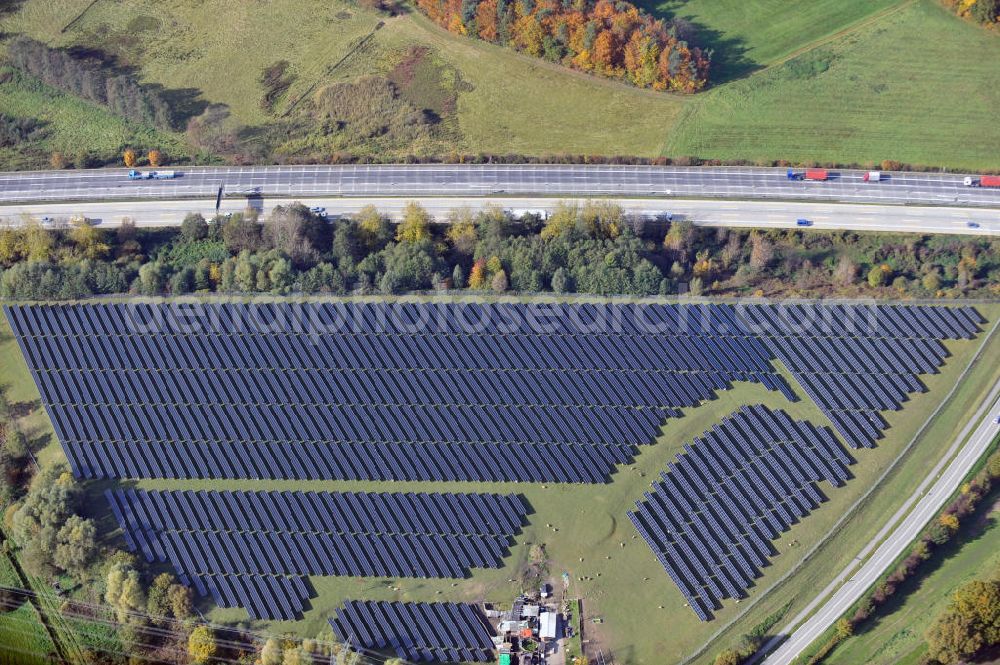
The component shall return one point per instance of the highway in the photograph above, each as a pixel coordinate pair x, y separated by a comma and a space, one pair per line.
761, 214
490, 179
892, 540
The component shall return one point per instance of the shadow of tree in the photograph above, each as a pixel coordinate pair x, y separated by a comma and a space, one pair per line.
730, 58
9, 6
40, 442
22, 409
184, 103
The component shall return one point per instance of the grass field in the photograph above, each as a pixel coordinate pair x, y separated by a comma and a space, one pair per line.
749, 34
869, 80
917, 86
71, 125
896, 636
645, 621
23, 640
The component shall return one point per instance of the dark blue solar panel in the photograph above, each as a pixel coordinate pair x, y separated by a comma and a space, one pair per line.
741, 483
429, 632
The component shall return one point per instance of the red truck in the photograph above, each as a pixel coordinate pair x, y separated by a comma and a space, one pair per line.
810, 174
983, 181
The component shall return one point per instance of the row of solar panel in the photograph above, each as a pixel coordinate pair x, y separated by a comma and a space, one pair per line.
264, 597
424, 387
855, 320
172, 352
844, 390
320, 512
556, 463
859, 429
896, 321
737, 486
346, 555
874, 392
360, 423
916, 356
419, 632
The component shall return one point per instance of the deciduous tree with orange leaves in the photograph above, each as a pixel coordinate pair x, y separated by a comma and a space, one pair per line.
612, 39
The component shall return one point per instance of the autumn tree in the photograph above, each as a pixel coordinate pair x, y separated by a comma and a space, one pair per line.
76, 546
477, 277
846, 272
38, 524
242, 232
374, 229
728, 657
416, 224
202, 646
38, 241
679, 238
949, 521
970, 622
129, 158
462, 230
297, 233
878, 276
499, 282
613, 39
89, 241
157, 601
844, 628
761, 251
458, 277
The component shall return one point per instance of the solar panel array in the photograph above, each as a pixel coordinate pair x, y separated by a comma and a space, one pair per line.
415, 391
418, 632
710, 518
852, 375
228, 543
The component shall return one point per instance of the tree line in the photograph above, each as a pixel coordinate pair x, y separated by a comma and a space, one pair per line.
92, 80
593, 248
611, 39
985, 12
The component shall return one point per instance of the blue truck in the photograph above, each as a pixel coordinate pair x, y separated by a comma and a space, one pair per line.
151, 175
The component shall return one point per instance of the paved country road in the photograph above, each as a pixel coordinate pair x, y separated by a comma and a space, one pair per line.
928, 498
761, 214
491, 179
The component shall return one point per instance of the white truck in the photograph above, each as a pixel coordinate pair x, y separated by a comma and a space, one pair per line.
873, 176
151, 175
